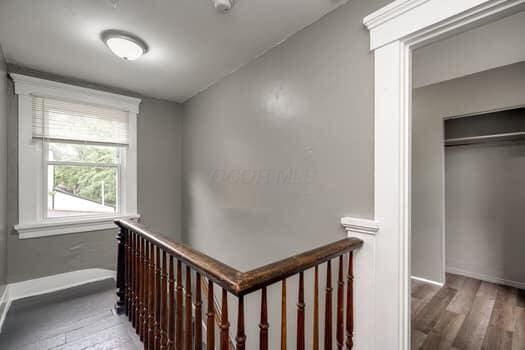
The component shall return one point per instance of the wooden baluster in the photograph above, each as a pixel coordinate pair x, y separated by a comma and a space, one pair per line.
171, 306
340, 306
151, 299
284, 337
241, 336
157, 298
129, 272
350, 304
132, 286
147, 287
315, 344
210, 323
189, 320
137, 270
164, 304
127, 269
141, 289
225, 324
179, 322
120, 305
198, 312
263, 326
328, 308
300, 313
135, 281
124, 283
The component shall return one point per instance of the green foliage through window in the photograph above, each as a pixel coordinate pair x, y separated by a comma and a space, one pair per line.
87, 182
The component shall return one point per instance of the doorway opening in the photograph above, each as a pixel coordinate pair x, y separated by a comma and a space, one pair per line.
468, 189
396, 31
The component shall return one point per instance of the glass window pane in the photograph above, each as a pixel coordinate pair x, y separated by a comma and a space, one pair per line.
66, 152
81, 190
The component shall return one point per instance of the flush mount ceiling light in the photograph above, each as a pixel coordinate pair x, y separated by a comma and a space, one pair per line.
125, 45
223, 5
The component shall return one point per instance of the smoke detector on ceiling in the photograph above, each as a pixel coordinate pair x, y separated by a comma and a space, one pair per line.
113, 3
223, 5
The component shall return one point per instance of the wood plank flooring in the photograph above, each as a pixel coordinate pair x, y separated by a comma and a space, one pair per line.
79, 318
467, 314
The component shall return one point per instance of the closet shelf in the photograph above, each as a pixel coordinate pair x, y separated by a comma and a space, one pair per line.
512, 136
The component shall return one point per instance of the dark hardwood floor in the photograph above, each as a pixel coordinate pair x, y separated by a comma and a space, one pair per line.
467, 314
79, 318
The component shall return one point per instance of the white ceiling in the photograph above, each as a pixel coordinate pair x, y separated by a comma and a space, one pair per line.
191, 44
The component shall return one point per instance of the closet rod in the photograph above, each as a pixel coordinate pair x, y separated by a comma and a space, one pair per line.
461, 141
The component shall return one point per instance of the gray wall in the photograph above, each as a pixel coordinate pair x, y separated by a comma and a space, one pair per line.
3, 172
485, 203
304, 109
159, 166
492, 45
159, 201
276, 153
493, 89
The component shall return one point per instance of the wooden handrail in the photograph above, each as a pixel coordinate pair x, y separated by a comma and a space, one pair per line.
241, 283
151, 293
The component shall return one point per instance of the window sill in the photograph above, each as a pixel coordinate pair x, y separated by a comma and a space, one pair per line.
69, 225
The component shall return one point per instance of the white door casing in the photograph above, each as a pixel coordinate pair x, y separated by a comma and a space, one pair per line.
395, 30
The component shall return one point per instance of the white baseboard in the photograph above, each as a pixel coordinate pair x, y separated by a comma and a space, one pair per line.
427, 281
4, 300
3, 297
486, 278
50, 284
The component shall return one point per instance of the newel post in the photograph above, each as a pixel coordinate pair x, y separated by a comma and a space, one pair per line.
120, 305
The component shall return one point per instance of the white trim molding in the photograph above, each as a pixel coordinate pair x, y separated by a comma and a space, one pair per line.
32, 221
356, 225
50, 284
67, 226
404, 18
424, 280
364, 280
486, 278
27, 85
395, 30
390, 11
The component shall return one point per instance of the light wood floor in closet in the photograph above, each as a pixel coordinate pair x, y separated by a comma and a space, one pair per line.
467, 314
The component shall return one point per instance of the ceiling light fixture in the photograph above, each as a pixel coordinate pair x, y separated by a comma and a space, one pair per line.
125, 45
223, 5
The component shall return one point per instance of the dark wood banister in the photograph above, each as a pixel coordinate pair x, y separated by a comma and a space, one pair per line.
241, 283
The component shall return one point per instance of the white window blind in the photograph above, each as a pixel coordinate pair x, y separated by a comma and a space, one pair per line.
64, 121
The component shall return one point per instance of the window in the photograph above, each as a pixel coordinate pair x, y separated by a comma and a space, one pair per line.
77, 158
81, 179
83, 146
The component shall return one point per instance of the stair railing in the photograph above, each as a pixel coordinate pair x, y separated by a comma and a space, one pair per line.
217, 305
152, 293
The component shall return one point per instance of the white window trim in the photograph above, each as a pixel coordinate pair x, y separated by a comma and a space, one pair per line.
31, 222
